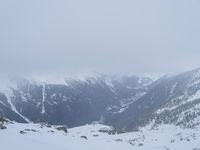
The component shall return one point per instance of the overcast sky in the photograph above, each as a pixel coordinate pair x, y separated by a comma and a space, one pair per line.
99, 35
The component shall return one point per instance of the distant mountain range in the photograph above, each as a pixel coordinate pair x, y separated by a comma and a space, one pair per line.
123, 101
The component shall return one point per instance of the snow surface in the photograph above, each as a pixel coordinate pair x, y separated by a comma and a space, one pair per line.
40, 137
43, 97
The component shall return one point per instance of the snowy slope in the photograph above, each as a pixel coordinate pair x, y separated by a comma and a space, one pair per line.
6, 89
173, 99
40, 137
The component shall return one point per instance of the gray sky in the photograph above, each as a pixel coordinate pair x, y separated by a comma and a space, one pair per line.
99, 35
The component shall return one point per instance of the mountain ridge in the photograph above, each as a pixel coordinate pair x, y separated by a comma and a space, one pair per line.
126, 102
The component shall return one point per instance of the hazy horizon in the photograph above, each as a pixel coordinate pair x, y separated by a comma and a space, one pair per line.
69, 37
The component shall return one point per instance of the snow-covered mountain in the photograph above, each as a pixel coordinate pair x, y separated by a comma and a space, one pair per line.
125, 102
74, 102
159, 114
173, 99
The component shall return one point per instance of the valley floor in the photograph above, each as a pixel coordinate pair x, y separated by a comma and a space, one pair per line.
38, 137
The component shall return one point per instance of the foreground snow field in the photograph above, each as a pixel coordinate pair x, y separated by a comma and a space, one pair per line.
35, 136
